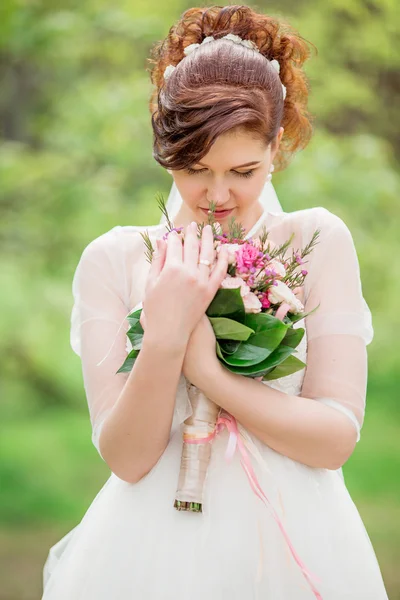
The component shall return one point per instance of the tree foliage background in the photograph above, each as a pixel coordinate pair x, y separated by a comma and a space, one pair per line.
76, 160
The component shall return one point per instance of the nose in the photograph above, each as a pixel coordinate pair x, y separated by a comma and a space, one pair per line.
219, 193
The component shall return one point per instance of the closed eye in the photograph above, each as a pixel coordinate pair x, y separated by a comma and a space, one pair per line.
244, 174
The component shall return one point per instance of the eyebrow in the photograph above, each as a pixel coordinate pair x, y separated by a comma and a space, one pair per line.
253, 162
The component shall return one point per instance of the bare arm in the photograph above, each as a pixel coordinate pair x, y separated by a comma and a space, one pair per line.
132, 439
135, 433
298, 427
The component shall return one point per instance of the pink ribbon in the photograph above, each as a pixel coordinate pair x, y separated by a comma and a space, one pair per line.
227, 420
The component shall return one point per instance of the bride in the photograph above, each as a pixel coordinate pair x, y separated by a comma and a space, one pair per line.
229, 105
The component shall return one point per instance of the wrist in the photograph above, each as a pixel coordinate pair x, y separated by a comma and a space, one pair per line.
209, 376
170, 346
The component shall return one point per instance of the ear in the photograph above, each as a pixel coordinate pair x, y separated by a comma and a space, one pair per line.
278, 141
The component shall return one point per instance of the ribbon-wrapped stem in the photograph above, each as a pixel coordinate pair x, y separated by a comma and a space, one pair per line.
196, 453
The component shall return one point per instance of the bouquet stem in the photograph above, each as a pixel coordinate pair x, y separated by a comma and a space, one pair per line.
196, 450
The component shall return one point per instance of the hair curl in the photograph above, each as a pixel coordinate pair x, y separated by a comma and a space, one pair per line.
224, 86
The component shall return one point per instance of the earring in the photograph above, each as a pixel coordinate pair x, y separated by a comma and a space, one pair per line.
269, 176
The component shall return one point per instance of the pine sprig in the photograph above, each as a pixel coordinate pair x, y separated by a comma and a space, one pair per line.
281, 250
163, 207
307, 249
263, 236
149, 246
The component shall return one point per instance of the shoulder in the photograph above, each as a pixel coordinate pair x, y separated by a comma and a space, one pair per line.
317, 215
329, 224
120, 239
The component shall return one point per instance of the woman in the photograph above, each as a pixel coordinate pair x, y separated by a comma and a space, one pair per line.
221, 103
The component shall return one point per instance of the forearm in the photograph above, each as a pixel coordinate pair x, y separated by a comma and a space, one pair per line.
301, 428
137, 430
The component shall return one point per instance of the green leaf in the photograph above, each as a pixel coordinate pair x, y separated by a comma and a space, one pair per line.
288, 367
219, 352
269, 332
135, 335
227, 303
256, 369
134, 317
228, 329
297, 317
246, 355
129, 362
293, 336
229, 346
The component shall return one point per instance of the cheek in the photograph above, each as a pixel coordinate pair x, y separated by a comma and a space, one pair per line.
190, 191
250, 190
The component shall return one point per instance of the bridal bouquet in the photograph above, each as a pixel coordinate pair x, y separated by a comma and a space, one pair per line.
252, 315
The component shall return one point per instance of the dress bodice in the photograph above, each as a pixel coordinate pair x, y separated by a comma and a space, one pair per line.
110, 282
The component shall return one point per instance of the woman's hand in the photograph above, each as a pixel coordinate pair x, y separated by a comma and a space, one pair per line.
178, 288
201, 360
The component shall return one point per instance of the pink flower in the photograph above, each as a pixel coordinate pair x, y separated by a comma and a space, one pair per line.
251, 303
282, 311
265, 303
246, 256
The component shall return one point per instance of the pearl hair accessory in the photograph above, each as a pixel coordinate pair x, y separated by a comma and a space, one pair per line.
234, 38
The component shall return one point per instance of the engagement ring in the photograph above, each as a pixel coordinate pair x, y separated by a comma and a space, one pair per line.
204, 261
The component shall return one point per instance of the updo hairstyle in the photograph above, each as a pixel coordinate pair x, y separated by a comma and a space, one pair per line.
223, 86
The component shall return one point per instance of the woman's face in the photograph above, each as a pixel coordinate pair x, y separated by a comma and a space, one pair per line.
225, 177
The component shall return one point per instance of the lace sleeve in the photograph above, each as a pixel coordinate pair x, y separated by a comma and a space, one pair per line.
340, 329
99, 325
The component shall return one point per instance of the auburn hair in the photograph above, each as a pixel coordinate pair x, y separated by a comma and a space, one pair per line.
224, 86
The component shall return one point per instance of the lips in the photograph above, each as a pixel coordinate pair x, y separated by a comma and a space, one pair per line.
219, 213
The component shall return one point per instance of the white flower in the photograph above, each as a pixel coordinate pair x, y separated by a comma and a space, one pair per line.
234, 38
231, 252
281, 293
251, 303
231, 283
275, 64
238, 40
189, 49
278, 267
168, 70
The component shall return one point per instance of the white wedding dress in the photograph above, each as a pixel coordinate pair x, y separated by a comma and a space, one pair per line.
131, 543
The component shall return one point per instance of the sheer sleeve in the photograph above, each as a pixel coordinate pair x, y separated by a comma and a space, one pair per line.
99, 325
341, 327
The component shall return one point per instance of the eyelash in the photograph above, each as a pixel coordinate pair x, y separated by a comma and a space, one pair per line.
244, 174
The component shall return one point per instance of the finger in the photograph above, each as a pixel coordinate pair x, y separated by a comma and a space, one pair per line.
299, 292
159, 257
142, 320
220, 269
174, 255
206, 252
191, 247
157, 263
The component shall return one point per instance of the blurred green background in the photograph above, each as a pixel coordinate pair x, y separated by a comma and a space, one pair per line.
76, 160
